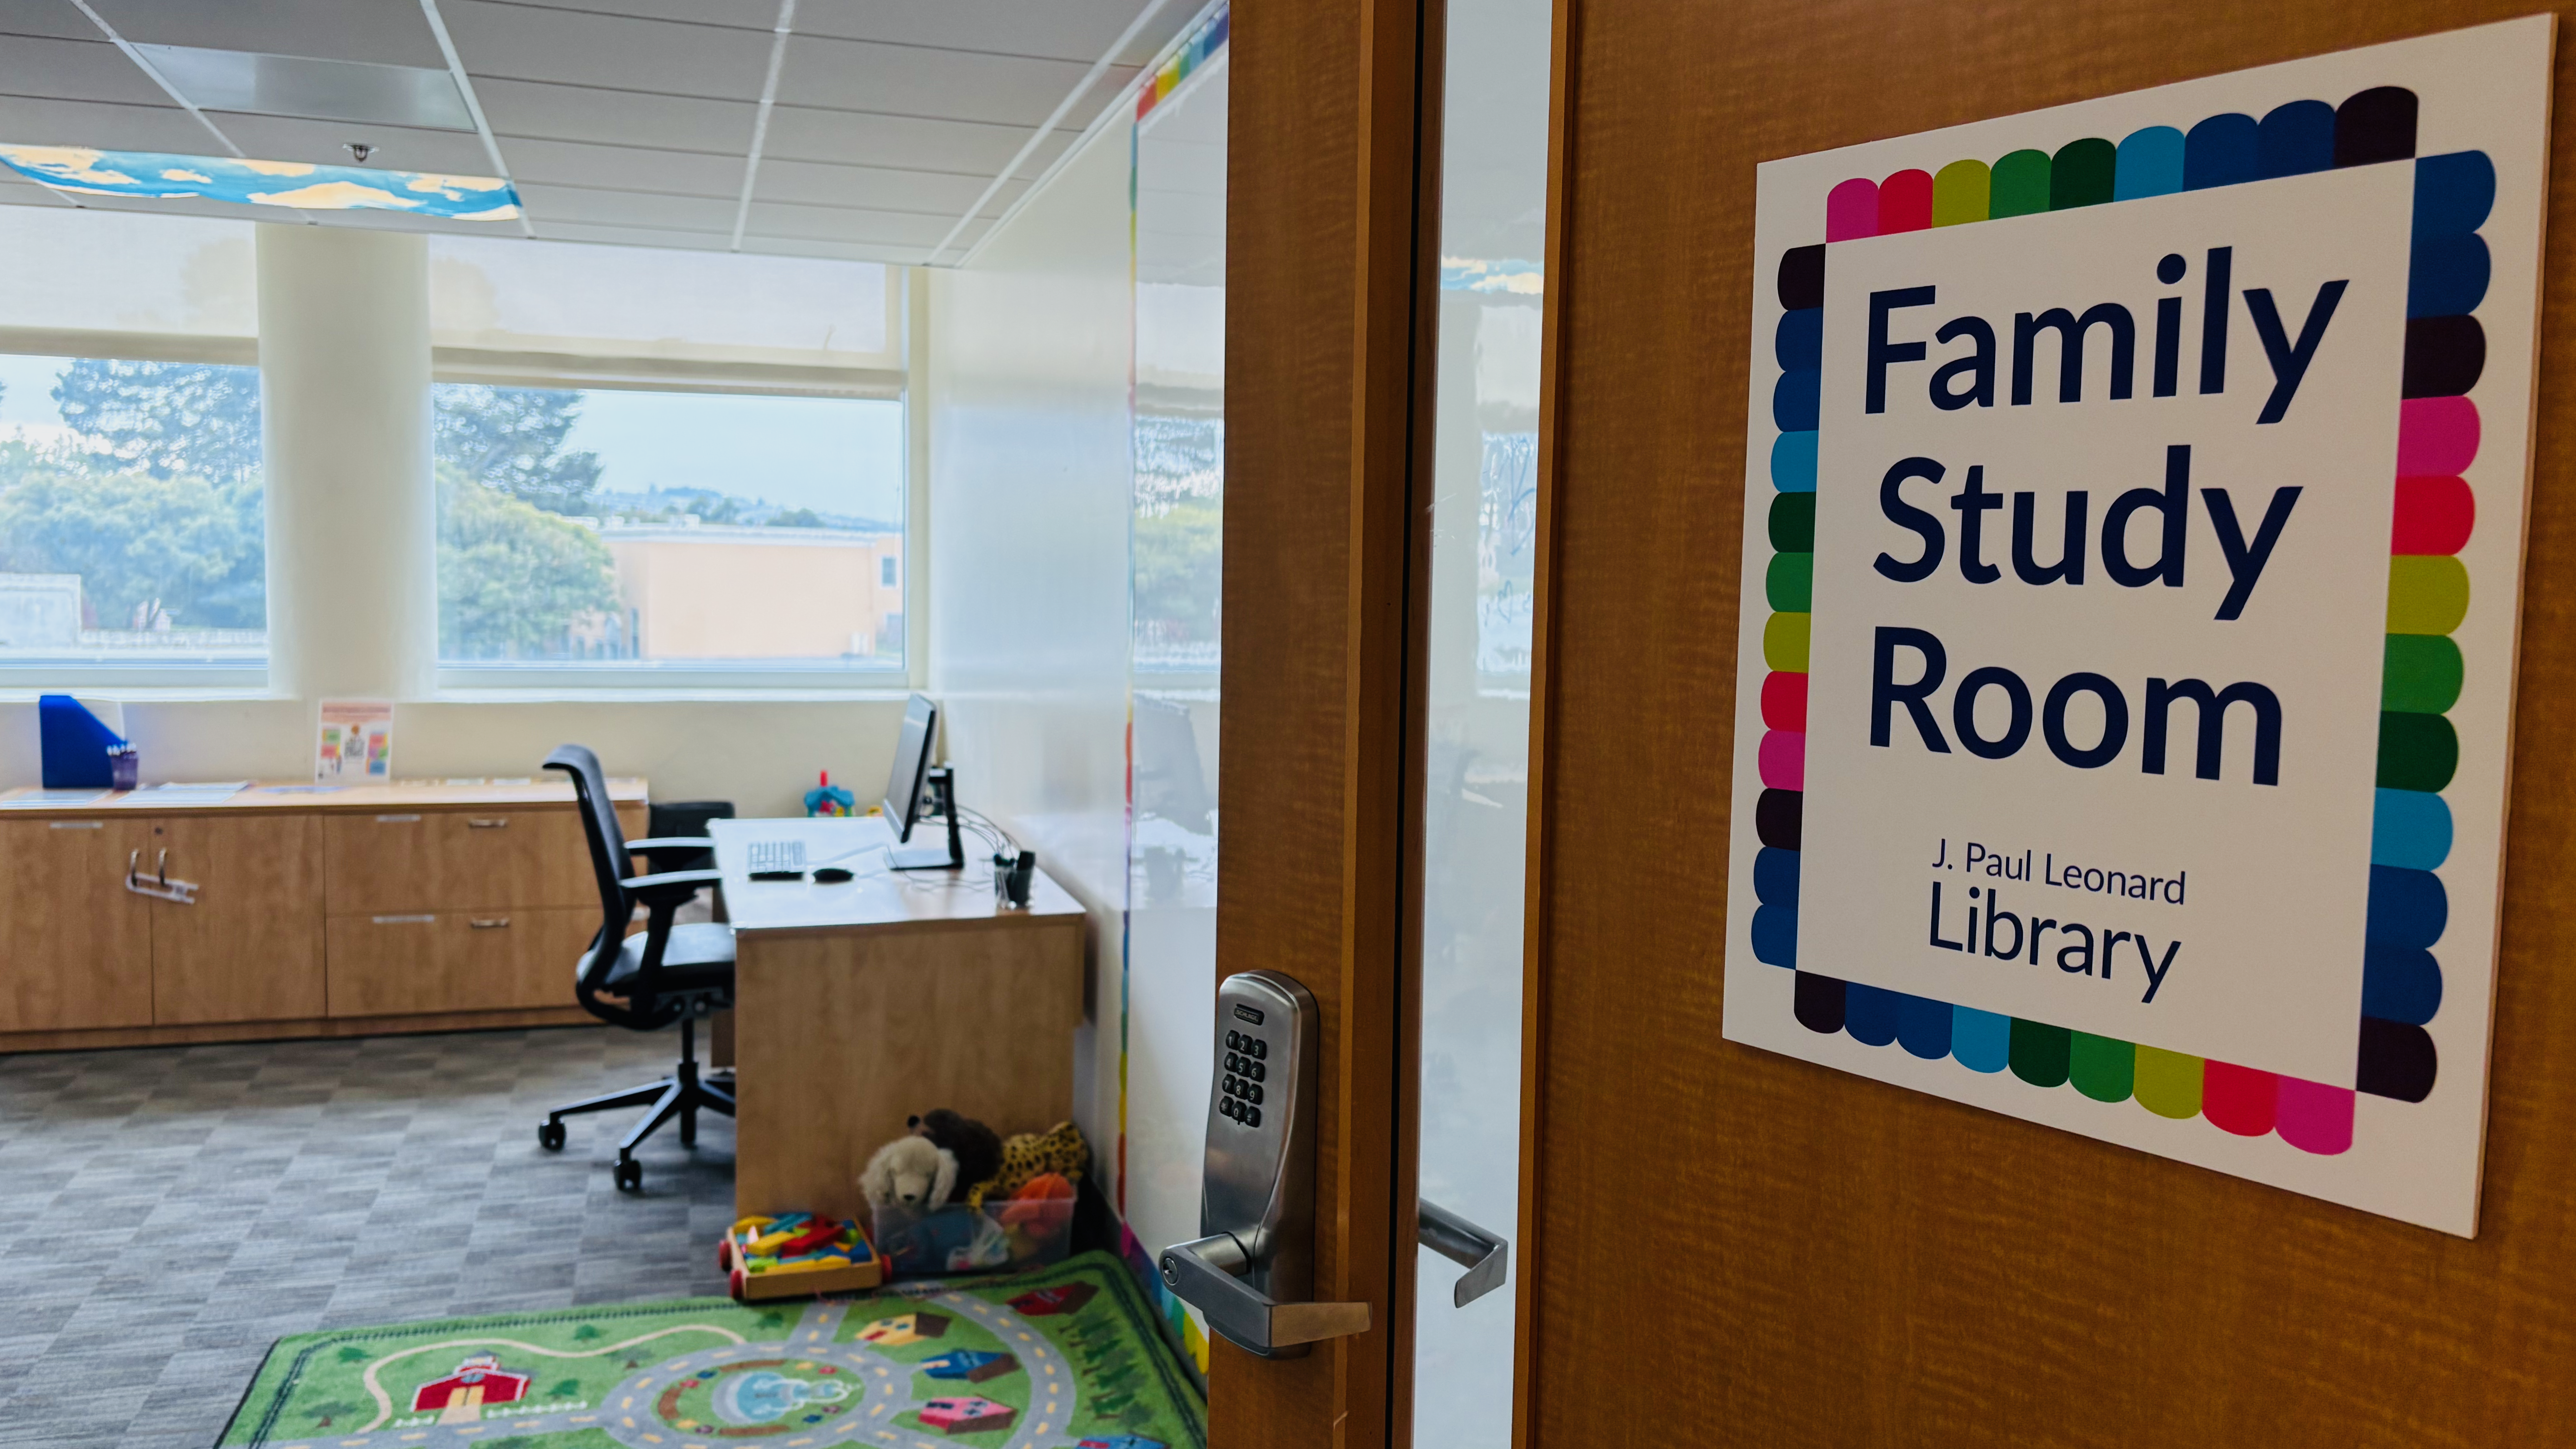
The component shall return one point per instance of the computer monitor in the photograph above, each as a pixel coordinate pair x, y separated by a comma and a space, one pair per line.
912, 776
911, 765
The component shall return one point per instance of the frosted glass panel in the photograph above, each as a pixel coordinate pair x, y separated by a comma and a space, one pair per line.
1476, 779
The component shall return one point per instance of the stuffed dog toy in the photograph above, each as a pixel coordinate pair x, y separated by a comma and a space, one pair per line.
911, 1173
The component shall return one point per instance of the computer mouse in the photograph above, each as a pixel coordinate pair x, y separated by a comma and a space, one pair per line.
831, 875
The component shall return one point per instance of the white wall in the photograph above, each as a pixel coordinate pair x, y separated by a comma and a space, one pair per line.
1030, 475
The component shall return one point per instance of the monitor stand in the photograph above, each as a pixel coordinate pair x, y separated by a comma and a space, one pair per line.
931, 855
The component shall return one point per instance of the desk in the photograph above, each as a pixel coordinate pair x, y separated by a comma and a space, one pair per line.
332, 911
857, 1005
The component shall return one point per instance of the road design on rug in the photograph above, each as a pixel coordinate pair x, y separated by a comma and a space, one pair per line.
806, 1392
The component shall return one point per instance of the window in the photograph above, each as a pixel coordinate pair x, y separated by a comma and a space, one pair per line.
132, 519
668, 532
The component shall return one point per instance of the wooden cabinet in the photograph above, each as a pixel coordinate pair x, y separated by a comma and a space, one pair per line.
249, 948
75, 946
407, 860
313, 914
410, 962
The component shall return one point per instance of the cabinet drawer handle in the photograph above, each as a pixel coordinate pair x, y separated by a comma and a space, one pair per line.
490, 923
405, 920
502, 823
77, 825
397, 820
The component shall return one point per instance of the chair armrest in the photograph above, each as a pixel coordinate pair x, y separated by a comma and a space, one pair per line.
671, 887
670, 878
671, 842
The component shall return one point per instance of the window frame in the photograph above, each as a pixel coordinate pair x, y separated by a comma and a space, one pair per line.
174, 678
642, 679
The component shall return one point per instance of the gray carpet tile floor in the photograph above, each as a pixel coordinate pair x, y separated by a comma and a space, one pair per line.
167, 1213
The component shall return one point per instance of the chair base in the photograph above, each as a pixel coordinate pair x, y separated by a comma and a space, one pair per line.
683, 1094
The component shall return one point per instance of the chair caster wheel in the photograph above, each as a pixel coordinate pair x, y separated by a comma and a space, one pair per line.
630, 1176
550, 1136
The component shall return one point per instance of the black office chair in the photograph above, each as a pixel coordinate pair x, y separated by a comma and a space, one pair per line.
670, 973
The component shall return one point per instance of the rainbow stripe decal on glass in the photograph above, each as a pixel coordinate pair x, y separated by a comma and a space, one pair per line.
1204, 43
2428, 597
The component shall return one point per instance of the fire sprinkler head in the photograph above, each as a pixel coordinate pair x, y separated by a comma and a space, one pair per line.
359, 151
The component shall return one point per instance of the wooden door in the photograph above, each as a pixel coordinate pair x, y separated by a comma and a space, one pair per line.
250, 947
1735, 1248
1324, 272
75, 946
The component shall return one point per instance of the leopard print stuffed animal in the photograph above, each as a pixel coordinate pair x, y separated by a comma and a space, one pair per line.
1059, 1149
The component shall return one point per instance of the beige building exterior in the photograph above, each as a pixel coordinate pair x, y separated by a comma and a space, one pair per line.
728, 591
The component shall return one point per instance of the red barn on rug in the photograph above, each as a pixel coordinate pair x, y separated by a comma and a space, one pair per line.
478, 1381
1047, 1302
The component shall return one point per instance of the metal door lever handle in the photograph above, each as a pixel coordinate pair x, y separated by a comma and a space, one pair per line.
1485, 1256
1202, 1274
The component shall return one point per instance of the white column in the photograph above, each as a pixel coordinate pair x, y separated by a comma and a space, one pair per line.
352, 515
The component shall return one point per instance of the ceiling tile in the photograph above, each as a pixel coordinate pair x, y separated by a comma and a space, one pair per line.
324, 143
188, 206
388, 32
551, 204
405, 221
909, 81
573, 113
883, 189
970, 148
75, 70
110, 128
521, 42
835, 223
634, 236
1061, 29
45, 17
15, 192
626, 168
757, 15
833, 251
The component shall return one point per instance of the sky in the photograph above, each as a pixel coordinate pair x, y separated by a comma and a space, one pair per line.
834, 455
27, 390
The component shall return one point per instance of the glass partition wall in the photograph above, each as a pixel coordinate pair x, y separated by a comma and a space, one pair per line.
1475, 784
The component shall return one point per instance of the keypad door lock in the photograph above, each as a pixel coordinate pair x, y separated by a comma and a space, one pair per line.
1252, 1269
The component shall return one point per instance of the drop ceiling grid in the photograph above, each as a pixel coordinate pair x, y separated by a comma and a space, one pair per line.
629, 120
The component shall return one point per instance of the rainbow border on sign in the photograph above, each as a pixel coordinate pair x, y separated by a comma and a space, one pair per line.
2428, 597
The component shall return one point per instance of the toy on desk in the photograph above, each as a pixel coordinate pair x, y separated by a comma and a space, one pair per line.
827, 798
77, 745
796, 1254
977, 1147
910, 1172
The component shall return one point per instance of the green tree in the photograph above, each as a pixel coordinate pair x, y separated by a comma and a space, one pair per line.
513, 578
565, 1389
512, 439
1178, 574
133, 537
351, 1353
171, 419
585, 1333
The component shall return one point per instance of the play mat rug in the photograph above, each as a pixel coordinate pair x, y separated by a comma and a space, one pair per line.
1066, 1356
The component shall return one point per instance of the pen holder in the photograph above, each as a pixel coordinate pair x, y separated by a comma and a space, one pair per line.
124, 768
